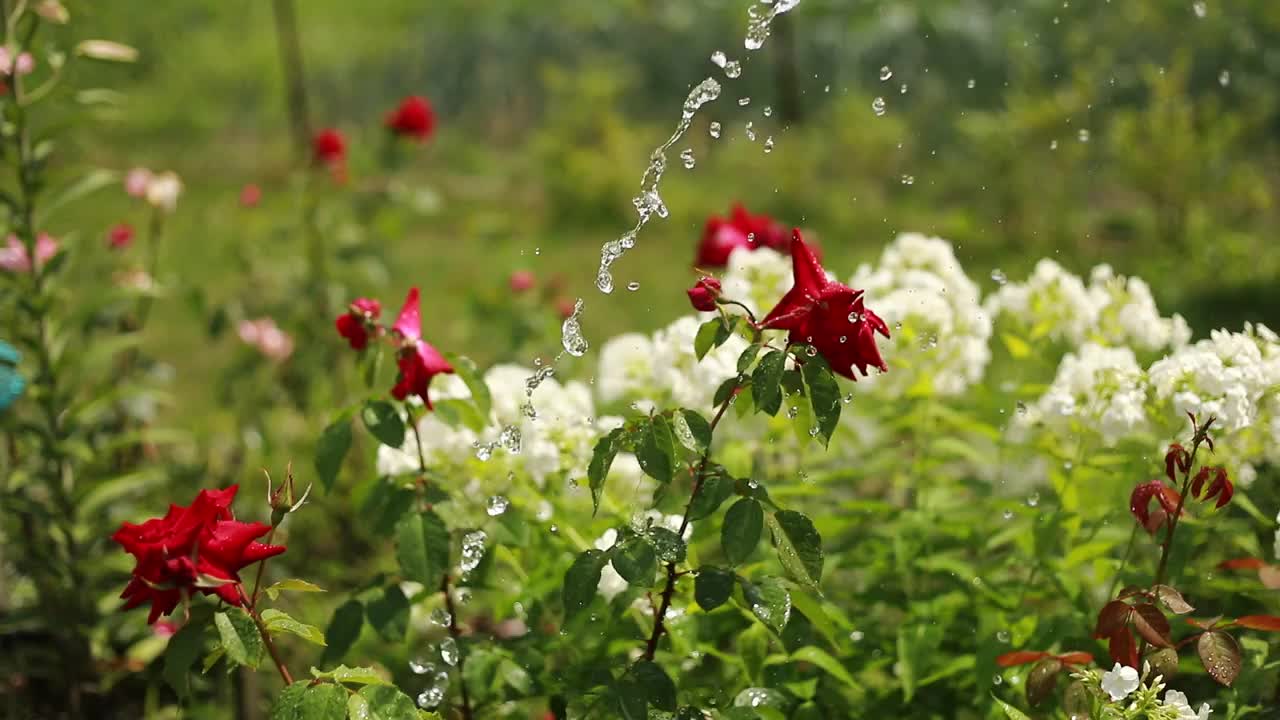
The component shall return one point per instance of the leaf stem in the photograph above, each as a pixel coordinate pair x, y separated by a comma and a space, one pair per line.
266, 636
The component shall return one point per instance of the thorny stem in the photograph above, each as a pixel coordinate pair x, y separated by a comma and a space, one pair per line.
1166, 547
659, 616
266, 636
257, 580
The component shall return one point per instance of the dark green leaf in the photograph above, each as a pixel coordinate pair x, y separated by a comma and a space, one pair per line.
712, 587
741, 530
383, 422
715, 489
1076, 701
181, 653
325, 701
342, 632
388, 613
769, 600
711, 334
239, 637
331, 450
601, 460
824, 396
658, 689
635, 560
286, 704
1010, 712
385, 702
692, 430
656, 451
748, 356
725, 390
670, 546
799, 546
422, 548
766, 387
352, 675
580, 581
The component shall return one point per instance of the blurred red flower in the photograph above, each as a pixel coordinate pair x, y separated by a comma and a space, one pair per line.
250, 196
330, 147
828, 315
414, 118
721, 236
418, 361
522, 281
199, 547
120, 236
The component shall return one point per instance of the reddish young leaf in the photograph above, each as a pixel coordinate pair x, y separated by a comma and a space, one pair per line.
1220, 655
1020, 657
1260, 622
1168, 498
1042, 680
1172, 599
1123, 649
1129, 591
1204, 624
1244, 563
1152, 625
1176, 459
1111, 618
1076, 658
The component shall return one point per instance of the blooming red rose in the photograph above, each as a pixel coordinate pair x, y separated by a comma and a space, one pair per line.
120, 236
330, 147
721, 236
200, 547
250, 196
828, 315
418, 361
356, 324
703, 294
414, 118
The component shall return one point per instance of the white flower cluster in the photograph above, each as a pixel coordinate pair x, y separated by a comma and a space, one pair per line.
757, 278
1099, 387
1228, 375
663, 368
1121, 682
940, 330
1111, 310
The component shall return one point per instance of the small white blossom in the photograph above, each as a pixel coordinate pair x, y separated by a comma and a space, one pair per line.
1119, 681
626, 368
162, 191
757, 278
1101, 387
1178, 701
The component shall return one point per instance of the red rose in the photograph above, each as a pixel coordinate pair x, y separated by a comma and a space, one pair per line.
329, 147
120, 236
200, 547
414, 118
418, 361
828, 315
762, 230
741, 229
356, 324
703, 294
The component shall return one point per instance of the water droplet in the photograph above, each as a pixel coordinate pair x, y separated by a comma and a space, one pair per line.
733, 69
848, 398
997, 679
433, 695
1083, 135
497, 505
1224, 78
1200, 8
633, 286
908, 180
571, 333
811, 351
686, 157
714, 129
440, 616
768, 110
449, 651
1003, 636
421, 666
1053, 144
1033, 499
744, 101
1021, 408
718, 58
877, 106
1007, 514
751, 133
971, 84
857, 635
472, 551
998, 276
902, 90
885, 73
768, 144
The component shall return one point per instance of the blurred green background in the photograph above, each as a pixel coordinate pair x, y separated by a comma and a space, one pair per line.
1140, 133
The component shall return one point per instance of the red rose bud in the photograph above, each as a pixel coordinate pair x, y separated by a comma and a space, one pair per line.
828, 315
521, 281
329, 147
357, 324
120, 236
195, 548
414, 118
250, 196
703, 294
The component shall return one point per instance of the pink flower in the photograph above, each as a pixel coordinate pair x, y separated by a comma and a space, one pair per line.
136, 182
419, 362
521, 281
120, 236
14, 257
250, 196
264, 335
703, 295
24, 65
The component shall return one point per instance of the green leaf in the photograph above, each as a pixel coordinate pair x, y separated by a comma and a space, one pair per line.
766, 382
325, 701
343, 631
741, 530
748, 356
656, 451
715, 489
712, 587
635, 560
292, 585
388, 613
601, 460
692, 430
670, 546
711, 334
769, 600
85, 185
799, 546
819, 657
385, 702
466, 370
239, 637
278, 622
383, 422
824, 396
725, 391
352, 675
182, 652
580, 581
286, 704
331, 450
422, 547
1010, 712
658, 690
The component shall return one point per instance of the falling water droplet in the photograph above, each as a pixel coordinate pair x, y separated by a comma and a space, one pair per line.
440, 616
1033, 499
1083, 135
768, 144
908, 180
885, 73
497, 505
877, 106
1007, 514
768, 110
686, 157
999, 277
718, 58
997, 679
971, 84
744, 101
421, 666
1003, 636
733, 69
902, 90
1200, 8
571, 333
714, 129
449, 651
1053, 144
472, 553
633, 286
1224, 78
751, 133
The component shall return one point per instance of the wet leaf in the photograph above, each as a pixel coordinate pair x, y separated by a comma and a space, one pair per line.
1151, 624
343, 631
602, 457
1113, 617
824, 396
1043, 680
656, 451
712, 587
385, 702
766, 382
1172, 599
239, 637
740, 533
1164, 662
580, 581
422, 547
635, 560
1220, 654
799, 546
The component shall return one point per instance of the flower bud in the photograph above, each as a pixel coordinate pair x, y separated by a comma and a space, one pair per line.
703, 294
